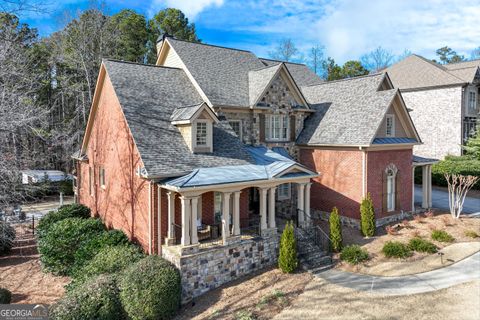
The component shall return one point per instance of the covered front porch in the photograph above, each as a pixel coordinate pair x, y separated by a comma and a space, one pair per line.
426, 165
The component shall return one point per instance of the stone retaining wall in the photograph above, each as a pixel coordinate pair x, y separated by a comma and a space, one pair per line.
210, 268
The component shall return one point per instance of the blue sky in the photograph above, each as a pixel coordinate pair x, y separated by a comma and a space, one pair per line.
347, 28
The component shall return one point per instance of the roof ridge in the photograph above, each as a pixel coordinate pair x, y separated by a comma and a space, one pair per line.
459, 62
211, 45
267, 67
139, 64
301, 64
345, 79
441, 67
191, 105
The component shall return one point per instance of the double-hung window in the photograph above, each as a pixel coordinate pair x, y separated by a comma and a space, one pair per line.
472, 103
283, 191
201, 134
101, 176
390, 190
237, 127
390, 125
277, 127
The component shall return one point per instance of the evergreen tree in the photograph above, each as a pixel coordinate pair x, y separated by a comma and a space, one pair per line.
287, 260
473, 145
367, 217
336, 240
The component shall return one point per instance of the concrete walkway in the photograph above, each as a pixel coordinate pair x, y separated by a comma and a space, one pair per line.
460, 272
440, 200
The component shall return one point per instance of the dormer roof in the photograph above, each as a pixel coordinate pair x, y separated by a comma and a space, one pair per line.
184, 115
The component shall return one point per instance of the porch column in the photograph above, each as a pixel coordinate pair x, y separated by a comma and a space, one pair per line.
236, 213
186, 210
271, 207
424, 187
300, 202
307, 202
194, 233
263, 208
429, 177
171, 214
226, 216
413, 189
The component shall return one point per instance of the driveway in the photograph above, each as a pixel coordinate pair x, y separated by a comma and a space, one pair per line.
440, 200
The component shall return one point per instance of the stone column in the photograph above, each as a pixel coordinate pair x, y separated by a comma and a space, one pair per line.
193, 229
263, 208
429, 177
226, 217
171, 215
300, 202
236, 213
186, 220
307, 202
271, 207
424, 187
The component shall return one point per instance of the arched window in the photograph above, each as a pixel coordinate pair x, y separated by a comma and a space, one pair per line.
391, 172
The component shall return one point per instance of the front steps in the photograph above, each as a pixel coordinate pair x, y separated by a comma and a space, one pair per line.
312, 257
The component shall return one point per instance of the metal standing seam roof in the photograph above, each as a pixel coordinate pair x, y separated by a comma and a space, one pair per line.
185, 113
418, 159
393, 140
268, 164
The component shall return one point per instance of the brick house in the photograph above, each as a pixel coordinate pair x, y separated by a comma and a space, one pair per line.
203, 157
446, 95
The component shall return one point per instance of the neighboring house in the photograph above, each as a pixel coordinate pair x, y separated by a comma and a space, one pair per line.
203, 157
37, 176
443, 101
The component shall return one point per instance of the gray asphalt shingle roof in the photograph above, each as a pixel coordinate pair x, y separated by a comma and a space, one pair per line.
258, 81
223, 73
416, 72
348, 112
148, 96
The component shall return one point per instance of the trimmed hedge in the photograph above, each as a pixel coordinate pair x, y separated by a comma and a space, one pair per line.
395, 249
108, 260
64, 212
421, 245
354, 254
442, 236
58, 246
92, 246
5, 296
287, 259
96, 299
150, 289
7, 235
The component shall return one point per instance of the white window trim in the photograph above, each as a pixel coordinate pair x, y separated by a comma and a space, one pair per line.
209, 135
393, 180
286, 195
240, 129
392, 119
269, 127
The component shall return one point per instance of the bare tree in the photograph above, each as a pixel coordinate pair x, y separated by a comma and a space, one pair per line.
458, 187
316, 59
377, 59
285, 51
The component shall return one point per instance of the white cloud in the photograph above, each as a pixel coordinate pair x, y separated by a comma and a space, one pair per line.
191, 8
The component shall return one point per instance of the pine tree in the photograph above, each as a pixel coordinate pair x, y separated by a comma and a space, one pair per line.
473, 145
336, 240
287, 261
367, 217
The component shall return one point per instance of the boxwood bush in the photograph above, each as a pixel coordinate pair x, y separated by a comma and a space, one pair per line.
58, 246
88, 249
150, 289
442, 236
108, 260
395, 249
97, 299
5, 296
421, 245
354, 254
7, 235
64, 212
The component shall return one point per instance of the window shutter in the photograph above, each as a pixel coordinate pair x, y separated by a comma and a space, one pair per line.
293, 133
397, 191
262, 127
384, 192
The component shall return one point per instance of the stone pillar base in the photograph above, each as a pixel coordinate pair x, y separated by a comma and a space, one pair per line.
268, 233
232, 240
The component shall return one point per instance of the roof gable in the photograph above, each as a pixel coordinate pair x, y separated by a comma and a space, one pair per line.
184, 115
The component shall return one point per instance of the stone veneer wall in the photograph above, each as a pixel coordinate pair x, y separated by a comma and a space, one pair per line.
210, 268
355, 223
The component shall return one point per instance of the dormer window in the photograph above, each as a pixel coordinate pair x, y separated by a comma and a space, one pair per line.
201, 134
390, 125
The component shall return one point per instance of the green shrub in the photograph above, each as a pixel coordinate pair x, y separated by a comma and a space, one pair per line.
395, 249
5, 296
108, 260
96, 299
90, 248
367, 217
336, 241
287, 260
471, 234
58, 246
421, 245
150, 289
442, 236
459, 165
354, 254
64, 212
7, 235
